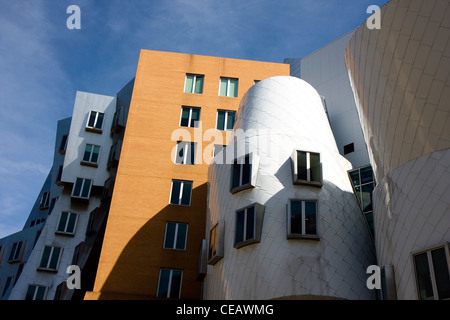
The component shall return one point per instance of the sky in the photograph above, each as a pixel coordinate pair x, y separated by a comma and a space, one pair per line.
43, 63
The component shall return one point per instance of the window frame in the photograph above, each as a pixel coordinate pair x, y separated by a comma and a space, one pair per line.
50, 258
91, 153
228, 87
225, 123
169, 284
194, 81
36, 287
187, 150
176, 235
303, 234
79, 197
195, 124
258, 217
94, 128
216, 243
45, 200
253, 171
17, 250
180, 197
295, 171
65, 232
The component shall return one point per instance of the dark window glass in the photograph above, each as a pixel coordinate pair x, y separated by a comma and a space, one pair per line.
423, 277
310, 217
186, 196
296, 217
315, 167
176, 185
230, 120
246, 174
176, 284
181, 236
240, 226
236, 174
249, 232
221, 120
301, 165
170, 235
441, 273
184, 117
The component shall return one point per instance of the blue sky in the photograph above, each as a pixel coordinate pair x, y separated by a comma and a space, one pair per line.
43, 63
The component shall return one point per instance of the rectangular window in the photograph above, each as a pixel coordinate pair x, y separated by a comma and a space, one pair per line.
35, 292
45, 199
228, 87
7, 284
169, 284
67, 223
194, 83
307, 168
248, 225
216, 243
433, 273
181, 192
63, 145
50, 258
82, 188
302, 219
349, 148
190, 117
185, 152
241, 174
16, 251
95, 121
225, 119
91, 154
175, 236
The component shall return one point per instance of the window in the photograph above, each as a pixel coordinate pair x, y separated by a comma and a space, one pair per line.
7, 284
91, 153
17, 250
91, 222
67, 223
185, 152
59, 176
194, 83
228, 87
95, 121
218, 148
2, 251
175, 236
118, 120
169, 284
190, 117
432, 273
63, 145
181, 192
307, 168
225, 119
302, 219
216, 243
50, 258
82, 188
243, 172
248, 225
114, 155
45, 199
349, 148
52, 205
36, 292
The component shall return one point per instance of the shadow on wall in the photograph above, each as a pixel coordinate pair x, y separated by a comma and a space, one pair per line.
136, 272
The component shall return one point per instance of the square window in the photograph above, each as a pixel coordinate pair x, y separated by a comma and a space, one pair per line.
50, 258
169, 283
185, 152
307, 168
190, 117
91, 154
181, 192
36, 292
82, 188
67, 223
175, 236
248, 225
302, 219
225, 120
228, 87
95, 121
194, 83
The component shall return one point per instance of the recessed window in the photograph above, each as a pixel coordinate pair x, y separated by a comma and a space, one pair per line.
118, 120
302, 219
194, 83
17, 250
82, 188
95, 121
91, 154
181, 192
432, 273
225, 119
243, 172
36, 292
349, 148
228, 87
307, 168
216, 243
175, 236
63, 145
169, 283
7, 284
248, 225
45, 199
50, 258
185, 152
190, 117
67, 223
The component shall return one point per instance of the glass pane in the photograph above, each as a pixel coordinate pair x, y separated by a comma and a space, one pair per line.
246, 174
195, 117
220, 120
179, 157
366, 175
17, 252
86, 188
310, 217
223, 87
92, 117
45, 257
301, 165
296, 217
176, 185
77, 189
87, 152
186, 197
233, 90
99, 123
212, 242
441, 273
55, 258
181, 237
40, 293
423, 277
354, 176
176, 284
230, 120
191, 155
367, 197
199, 84
30, 293
236, 174
189, 83
240, 226
95, 154
62, 222
184, 117
11, 255
170, 235
71, 225
164, 275
315, 167
250, 230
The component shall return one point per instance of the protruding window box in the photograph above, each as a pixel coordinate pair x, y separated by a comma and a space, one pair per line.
249, 222
216, 243
244, 172
95, 122
306, 168
81, 190
301, 219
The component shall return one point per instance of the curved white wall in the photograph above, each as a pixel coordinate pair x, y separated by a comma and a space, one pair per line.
280, 115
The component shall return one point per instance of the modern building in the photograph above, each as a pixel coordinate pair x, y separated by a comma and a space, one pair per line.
400, 78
